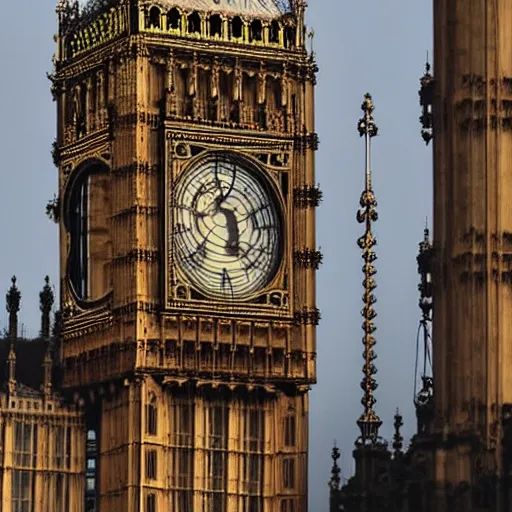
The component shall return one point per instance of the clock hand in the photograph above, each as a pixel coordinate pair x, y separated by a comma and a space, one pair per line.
223, 196
231, 247
225, 279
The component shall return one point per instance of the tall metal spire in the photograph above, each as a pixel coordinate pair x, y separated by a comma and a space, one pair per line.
369, 423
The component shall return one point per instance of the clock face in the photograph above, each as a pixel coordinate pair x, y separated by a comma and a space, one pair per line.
227, 227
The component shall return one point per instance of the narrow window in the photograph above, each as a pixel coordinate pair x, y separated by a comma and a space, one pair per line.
151, 416
194, 23
91, 452
290, 429
151, 503
215, 462
274, 32
287, 505
68, 448
237, 27
253, 456
22, 492
154, 18
151, 465
174, 19
59, 446
256, 33
181, 444
289, 473
215, 26
289, 37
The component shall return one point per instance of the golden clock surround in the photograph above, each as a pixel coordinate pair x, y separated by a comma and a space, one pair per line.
279, 288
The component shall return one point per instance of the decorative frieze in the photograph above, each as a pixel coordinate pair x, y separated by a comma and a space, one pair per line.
137, 255
137, 210
140, 167
133, 307
487, 104
472, 263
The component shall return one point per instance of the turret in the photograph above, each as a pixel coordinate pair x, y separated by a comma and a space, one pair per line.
13, 299
46, 300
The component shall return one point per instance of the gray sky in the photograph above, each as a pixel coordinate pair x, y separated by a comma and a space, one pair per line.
367, 45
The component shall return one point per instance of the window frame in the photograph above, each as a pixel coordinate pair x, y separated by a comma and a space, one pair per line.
78, 180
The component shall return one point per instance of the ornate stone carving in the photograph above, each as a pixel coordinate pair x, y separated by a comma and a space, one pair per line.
307, 196
308, 258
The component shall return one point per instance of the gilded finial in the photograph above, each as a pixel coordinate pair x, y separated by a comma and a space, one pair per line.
13, 299
369, 423
398, 440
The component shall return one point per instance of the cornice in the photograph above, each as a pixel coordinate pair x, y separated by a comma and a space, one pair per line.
226, 48
180, 131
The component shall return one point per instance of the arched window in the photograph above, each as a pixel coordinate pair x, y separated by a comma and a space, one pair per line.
151, 416
289, 37
154, 18
215, 26
88, 219
151, 503
237, 27
256, 33
174, 19
274, 32
194, 23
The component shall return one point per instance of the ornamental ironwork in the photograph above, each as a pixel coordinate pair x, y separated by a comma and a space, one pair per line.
307, 196
369, 423
308, 258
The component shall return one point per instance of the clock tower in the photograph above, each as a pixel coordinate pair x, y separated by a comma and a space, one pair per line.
185, 148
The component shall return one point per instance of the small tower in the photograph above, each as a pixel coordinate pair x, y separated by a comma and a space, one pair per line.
398, 440
13, 298
46, 300
426, 94
335, 481
423, 397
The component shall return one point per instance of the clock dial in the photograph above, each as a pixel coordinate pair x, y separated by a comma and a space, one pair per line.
227, 227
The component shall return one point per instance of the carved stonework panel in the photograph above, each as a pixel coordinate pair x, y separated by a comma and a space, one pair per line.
471, 259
